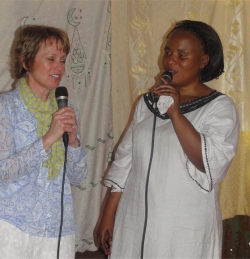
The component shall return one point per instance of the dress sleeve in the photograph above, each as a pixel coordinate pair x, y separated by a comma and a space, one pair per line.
121, 166
219, 139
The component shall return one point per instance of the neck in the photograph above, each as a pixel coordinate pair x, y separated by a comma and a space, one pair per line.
191, 93
40, 93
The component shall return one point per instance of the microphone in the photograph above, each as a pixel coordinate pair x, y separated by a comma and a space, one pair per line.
164, 102
168, 76
61, 95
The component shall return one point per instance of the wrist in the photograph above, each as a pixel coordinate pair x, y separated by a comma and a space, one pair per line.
175, 116
76, 143
47, 142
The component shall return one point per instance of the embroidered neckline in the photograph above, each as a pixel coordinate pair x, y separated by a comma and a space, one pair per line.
150, 98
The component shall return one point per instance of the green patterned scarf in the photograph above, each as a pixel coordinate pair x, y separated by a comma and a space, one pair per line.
43, 111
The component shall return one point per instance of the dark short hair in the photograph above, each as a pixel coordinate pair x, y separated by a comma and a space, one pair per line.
211, 45
29, 41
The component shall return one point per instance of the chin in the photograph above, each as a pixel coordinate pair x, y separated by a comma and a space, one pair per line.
54, 86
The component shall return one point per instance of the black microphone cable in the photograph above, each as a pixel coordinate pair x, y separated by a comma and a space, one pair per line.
62, 194
61, 95
146, 187
167, 75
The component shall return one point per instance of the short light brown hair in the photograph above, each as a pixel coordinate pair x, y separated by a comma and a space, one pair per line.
29, 42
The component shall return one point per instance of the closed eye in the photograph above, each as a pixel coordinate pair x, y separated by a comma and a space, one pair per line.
182, 55
167, 53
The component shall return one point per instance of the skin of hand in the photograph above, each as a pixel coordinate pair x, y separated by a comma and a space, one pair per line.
64, 120
105, 234
106, 227
168, 90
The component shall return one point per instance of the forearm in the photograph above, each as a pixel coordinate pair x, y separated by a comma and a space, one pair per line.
106, 227
190, 140
113, 199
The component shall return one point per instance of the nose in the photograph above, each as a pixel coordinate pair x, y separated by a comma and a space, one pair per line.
59, 65
172, 59
168, 61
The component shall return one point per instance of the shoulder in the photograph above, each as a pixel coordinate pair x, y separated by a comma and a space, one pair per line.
9, 94
10, 98
222, 110
224, 98
224, 102
11, 104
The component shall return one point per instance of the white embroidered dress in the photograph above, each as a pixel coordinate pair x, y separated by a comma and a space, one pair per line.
184, 219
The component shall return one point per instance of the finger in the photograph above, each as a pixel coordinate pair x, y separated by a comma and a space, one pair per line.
66, 109
164, 81
162, 87
166, 90
69, 116
68, 120
66, 112
163, 92
103, 245
72, 131
101, 240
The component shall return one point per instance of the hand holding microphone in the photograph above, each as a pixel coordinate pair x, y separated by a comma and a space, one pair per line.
165, 101
63, 119
69, 120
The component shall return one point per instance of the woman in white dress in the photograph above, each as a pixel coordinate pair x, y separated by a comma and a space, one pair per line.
163, 184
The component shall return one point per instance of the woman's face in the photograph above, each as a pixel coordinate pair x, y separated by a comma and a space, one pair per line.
48, 69
184, 57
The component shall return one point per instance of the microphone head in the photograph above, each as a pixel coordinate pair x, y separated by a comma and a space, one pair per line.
61, 95
167, 75
61, 91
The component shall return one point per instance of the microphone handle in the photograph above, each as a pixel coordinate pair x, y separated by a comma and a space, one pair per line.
63, 103
65, 139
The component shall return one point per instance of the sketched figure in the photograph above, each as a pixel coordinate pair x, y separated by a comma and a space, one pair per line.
77, 56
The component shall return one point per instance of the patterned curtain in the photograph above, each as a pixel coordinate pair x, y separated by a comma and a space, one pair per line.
138, 30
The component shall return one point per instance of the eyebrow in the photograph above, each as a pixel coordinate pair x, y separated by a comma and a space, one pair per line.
52, 54
179, 50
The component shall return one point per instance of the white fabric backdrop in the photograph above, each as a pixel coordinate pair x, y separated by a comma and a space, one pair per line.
88, 81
